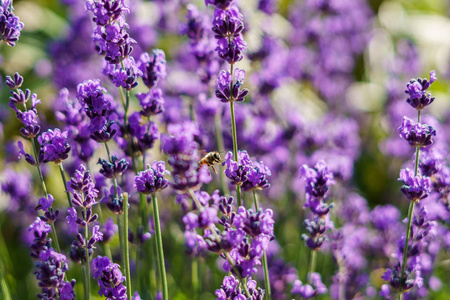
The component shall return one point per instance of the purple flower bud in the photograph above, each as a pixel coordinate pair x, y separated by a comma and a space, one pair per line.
415, 188
14, 83
45, 203
153, 68
152, 103
110, 279
54, 145
10, 25
416, 89
113, 169
152, 179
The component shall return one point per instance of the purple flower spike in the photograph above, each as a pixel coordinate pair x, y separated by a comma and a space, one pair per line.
45, 203
152, 103
318, 180
10, 25
54, 145
237, 172
110, 279
113, 169
223, 91
152, 179
307, 291
14, 83
416, 134
419, 98
153, 68
415, 188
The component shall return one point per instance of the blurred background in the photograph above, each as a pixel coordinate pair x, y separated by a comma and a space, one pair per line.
333, 81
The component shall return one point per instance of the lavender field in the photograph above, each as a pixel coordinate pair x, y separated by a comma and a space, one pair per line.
224, 149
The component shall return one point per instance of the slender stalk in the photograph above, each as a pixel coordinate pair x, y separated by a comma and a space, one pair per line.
265, 264
235, 147
233, 128
410, 214
126, 245
63, 176
87, 278
4, 291
44, 187
194, 277
312, 265
159, 249
220, 147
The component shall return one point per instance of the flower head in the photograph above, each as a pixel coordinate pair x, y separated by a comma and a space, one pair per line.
415, 188
419, 98
152, 179
416, 134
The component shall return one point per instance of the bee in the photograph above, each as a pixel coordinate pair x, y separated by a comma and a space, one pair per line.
210, 159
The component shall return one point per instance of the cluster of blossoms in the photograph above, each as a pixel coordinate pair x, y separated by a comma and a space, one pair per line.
231, 289
152, 180
406, 273
247, 174
228, 24
110, 34
10, 25
318, 180
99, 108
242, 241
82, 188
51, 265
110, 279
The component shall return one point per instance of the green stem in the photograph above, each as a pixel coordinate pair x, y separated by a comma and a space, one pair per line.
235, 147
159, 249
41, 178
312, 265
265, 264
194, 277
220, 148
233, 128
63, 176
410, 212
126, 245
87, 277
4, 291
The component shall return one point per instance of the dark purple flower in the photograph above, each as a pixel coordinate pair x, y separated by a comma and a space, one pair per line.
257, 177
14, 83
40, 231
416, 89
232, 51
153, 68
110, 279
227, 23
318, 180
50, 272
54, 145
46, 202
10, 25
82, 184
113, 169
238, 172
415, 188
152, 103
72, 220
416, 134
227, 92
152, 179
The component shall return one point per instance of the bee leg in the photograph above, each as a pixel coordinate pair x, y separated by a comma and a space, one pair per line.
214, 169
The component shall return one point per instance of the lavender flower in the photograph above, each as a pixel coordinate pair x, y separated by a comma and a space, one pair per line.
113, 169
110, 279
10, 25
231, 289
110, 34
415, 188
153, 68
416, 134
318, 180
238, 172
152, 179
152, 103
54, 145
224, 80
51, 268
416, 89
308, 291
